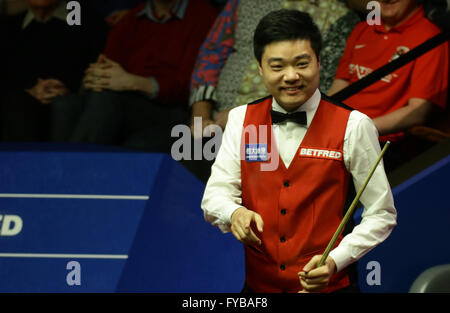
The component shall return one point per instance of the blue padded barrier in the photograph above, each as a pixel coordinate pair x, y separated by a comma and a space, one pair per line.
131, 220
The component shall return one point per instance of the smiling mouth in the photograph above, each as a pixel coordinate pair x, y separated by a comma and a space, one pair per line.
291, 89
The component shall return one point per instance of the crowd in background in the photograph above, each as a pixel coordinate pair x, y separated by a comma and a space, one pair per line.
133, 69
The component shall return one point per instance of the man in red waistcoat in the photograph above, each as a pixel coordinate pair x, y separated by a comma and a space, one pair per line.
281, 177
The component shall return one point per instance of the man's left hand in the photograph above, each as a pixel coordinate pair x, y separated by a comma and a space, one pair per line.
315, 279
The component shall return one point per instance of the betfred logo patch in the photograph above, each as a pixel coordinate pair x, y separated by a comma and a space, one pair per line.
321, 153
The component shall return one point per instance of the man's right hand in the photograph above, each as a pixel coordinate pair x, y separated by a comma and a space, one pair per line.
241, 221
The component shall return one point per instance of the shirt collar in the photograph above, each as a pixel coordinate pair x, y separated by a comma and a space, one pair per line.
178, 11
60, 13
310, 106
413, 19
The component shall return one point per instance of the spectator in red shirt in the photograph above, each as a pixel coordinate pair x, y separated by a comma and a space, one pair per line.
138, 89
406, 97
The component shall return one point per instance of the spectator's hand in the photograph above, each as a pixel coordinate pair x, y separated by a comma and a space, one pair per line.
315, 279
46, 90
93, 74
116, 16
205, 123
241, 221
221, 118
38, 90
54, 88
107, 74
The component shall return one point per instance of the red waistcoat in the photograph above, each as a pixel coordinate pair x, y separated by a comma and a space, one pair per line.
301, 206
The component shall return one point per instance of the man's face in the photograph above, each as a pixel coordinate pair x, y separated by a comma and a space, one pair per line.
290, 70
394, 11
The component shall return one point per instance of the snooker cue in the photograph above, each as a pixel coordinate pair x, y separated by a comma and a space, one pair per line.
351, 208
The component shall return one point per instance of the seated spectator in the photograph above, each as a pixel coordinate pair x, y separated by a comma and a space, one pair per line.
406, 97
43, 59
226, 74
138, 89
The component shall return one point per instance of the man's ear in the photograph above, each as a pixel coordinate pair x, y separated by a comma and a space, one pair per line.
260, 69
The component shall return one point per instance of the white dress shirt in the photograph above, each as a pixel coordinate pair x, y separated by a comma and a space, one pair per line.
361, 148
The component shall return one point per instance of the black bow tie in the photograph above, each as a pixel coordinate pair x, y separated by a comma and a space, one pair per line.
297, 117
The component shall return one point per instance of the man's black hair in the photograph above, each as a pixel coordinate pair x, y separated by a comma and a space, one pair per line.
284, 25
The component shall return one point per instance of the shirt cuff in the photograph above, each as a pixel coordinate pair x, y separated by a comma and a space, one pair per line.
224, 222
229, 211
203, 93
155, 92
342, 258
